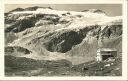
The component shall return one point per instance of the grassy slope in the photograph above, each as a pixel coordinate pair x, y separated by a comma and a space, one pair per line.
19, 66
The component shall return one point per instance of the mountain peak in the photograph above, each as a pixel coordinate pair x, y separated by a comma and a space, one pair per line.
29, 9
35, 8
17, 9
95, 11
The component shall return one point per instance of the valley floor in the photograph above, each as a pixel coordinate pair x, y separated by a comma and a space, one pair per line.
31, 67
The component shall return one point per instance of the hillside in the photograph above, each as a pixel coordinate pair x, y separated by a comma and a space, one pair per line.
40, 33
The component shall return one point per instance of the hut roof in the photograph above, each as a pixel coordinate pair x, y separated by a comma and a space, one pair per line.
107, 49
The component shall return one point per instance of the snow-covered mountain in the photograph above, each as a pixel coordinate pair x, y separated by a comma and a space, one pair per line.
52, 34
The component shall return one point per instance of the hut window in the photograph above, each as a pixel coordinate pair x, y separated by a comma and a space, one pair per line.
104, 57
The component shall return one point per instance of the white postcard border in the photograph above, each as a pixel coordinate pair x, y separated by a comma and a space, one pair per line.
125, 38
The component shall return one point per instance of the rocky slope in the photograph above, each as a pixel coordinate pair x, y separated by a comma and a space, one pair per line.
46, 34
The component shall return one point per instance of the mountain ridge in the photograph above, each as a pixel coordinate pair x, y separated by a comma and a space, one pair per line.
48, 32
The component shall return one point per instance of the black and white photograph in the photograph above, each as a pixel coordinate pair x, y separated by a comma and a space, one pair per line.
63, 40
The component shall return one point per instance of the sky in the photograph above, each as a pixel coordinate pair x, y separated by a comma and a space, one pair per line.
110, 9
